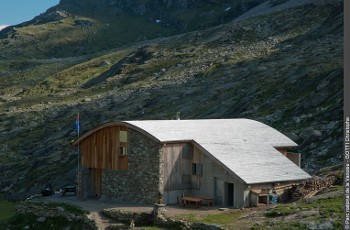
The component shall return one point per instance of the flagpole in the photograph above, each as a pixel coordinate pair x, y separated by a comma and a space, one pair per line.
78, 127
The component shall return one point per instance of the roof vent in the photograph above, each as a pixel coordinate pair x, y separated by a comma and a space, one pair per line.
178, 116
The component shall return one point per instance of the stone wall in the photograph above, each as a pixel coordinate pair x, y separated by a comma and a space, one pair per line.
43, 212
157, 217
141, 182
83, 184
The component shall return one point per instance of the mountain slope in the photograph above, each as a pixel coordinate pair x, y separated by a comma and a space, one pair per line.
283, 68
101, 25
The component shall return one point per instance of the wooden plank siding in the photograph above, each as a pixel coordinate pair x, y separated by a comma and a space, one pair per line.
178, 161
101, 149
283, 151
294, 157
197, 158
175, 168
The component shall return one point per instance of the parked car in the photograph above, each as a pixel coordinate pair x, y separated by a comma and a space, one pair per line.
69, 188
47, 191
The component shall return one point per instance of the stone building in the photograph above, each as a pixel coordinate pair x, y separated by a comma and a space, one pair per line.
234, 161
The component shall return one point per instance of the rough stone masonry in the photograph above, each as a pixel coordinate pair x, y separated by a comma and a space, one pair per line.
141, 182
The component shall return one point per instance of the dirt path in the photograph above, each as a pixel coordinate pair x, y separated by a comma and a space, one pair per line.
101, 222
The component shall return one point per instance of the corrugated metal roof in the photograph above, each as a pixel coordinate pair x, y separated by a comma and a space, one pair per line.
245, 147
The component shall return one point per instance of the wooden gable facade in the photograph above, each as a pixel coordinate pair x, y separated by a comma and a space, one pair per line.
105, 149
100, 150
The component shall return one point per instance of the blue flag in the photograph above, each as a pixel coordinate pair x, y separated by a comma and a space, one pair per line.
77, 125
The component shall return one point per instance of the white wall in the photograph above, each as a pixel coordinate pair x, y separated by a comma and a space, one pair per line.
212, 170
174, 197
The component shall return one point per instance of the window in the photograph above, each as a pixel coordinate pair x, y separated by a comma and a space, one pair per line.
123, 151
123, 139
123, 136
197, 169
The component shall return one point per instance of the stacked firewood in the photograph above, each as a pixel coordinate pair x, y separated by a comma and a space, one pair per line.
312, 186
299, 193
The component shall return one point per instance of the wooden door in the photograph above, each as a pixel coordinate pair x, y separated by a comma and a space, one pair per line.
96, 182
230, 194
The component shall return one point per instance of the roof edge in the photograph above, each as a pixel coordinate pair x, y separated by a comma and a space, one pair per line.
111, 124
134, 127
295, 180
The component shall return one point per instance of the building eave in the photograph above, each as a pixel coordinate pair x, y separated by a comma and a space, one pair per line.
111, 124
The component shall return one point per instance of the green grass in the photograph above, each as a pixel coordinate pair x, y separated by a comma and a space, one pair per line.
328, 207
281, 210
7, 210
152, 228
9, 219
55, 223
67, 207
225, 218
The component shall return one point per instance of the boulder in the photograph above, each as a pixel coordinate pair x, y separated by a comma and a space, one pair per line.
310, 135
83, 22
41, 219
104, 63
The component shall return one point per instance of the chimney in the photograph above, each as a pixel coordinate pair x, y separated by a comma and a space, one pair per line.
178, 116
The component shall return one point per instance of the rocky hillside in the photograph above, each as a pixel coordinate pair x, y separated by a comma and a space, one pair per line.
282, 66
102, 25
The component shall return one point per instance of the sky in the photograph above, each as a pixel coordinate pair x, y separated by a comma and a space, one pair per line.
13, 12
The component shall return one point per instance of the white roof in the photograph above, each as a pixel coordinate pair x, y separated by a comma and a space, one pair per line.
244, 147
